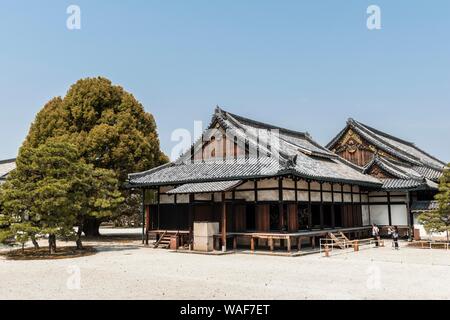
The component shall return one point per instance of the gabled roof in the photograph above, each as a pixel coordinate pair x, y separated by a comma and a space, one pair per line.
302, 141
296, 153
395, 169
408, 184
6, 166
290, 141
404, 175
404, 150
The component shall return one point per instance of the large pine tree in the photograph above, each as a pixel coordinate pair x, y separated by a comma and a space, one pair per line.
51, 191
110, 129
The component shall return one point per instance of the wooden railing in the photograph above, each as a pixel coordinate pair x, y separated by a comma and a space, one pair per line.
327, 245
159, 240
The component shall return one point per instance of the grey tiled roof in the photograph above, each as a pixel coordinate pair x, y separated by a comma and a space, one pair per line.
290, 139
298, 153
327, 169
211, 170
408, 184
6, 166
420, 206
404, 150
429, 173
405, 176
396, 169
207, 187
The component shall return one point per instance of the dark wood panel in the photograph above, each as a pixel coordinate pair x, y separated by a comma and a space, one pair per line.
346, 216
293, 217
230, 218
351, 215
240, 218
203, 213
263, 217
153, 216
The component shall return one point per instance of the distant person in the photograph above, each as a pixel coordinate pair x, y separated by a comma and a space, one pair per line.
390, 230
376, 234
395, 237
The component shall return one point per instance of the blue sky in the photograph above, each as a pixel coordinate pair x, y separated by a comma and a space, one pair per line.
304, 65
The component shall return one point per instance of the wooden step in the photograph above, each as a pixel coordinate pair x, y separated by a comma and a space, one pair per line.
164, 240
339, 239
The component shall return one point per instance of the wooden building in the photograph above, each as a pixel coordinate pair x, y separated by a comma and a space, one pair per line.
409, 175
280, 191
6, 166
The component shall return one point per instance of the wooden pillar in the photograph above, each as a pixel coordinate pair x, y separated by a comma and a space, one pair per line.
233, 210
352, 211
389, 208
147, 223
410, 216
159, 209
191, 216
296, 203
224, 223
361, 206
333, 213
288, 244
143, 215
176, 210
321, 206
299, 243
309, 206
280, 204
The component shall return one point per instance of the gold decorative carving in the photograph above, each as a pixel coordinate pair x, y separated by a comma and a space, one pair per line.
352, 146
350, 135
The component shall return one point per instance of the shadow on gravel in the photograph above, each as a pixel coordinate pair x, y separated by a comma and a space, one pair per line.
113, 248
113, 238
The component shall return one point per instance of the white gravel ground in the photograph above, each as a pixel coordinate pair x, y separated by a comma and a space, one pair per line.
126, 270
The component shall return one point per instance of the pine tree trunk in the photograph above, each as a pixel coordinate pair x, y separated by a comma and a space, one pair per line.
91, 227
35, 243
52, 243
78, 241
